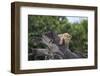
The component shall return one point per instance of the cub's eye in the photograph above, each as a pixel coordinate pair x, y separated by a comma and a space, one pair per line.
69, 36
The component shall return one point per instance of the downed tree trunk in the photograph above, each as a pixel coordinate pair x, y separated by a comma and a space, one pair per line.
51, 39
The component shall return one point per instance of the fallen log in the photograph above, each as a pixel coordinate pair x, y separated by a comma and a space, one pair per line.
51, 39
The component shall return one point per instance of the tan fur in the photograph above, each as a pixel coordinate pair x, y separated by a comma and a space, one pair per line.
65, 39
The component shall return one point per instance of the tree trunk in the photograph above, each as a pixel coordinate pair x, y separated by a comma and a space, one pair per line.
51, 39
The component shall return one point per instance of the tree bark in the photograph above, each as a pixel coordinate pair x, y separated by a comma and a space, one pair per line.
51, 39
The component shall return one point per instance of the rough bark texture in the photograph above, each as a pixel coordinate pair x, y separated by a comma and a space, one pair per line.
51, 39
54, 49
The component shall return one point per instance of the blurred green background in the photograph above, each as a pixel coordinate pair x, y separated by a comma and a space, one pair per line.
75, 26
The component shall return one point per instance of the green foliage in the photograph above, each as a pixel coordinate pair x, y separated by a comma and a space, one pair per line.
79, 32
37, 25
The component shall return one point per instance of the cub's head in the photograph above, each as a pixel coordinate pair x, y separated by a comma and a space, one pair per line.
64, 38
67, 37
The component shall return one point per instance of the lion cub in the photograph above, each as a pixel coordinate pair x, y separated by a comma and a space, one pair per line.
65, 39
